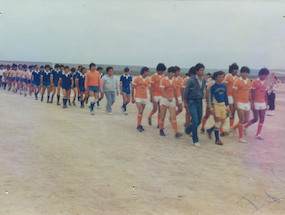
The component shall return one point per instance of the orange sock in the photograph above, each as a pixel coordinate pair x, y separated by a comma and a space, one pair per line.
161, 124
221, 130
150, 115
158, 118
203, 123
139, 119
232, 122
259, 128
174, 125
240, 130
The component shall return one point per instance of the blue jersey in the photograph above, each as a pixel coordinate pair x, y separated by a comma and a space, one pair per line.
126, 81
46, 76
66, 80
81, 80
218, 94
55, 76
36, 77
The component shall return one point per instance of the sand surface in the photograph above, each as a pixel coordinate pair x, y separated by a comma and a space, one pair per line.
56, 161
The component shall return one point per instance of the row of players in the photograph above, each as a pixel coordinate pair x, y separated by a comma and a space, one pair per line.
224, 94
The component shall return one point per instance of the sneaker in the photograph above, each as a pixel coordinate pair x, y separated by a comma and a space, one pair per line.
202, 131
177, 135
126, 113
197, 144
270, 113
92, 111
242, 140
259, 137
224, 134
161, 132
58, 103
110, 113
149, 121
140, 128
73, 103
219, 142
209, 132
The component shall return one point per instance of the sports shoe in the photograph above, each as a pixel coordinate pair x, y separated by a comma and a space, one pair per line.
270, 113
125, 112
202, 131
224, 134
58, 103
197, 144
110, 113
259, 137
51, 101
242, 140
92, 112
219, 142
177, 135
73, 103
209, 132
149, 121
140, 128
161, 132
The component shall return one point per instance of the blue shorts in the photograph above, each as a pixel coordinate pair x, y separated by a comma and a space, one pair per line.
36, 84
82, 89
66, 87
24, 80
18, 79
94, 89
55, 84
13, 78
126, 91
46, 83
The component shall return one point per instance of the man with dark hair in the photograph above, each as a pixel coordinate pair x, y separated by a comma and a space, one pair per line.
110, 87
193, 95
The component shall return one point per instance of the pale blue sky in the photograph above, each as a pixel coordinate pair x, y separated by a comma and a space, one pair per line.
216, 33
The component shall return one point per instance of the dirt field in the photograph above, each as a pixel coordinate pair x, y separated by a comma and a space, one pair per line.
65, 161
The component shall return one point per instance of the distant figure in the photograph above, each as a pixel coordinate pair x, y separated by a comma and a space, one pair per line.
259, 98
125, 89
272, 88
66, 82
100, 70
80, 80
155, 93
139, 94
46, 82
55, 76
179, 81
93, 86
208, 78
193, 95
242, 99
110, 87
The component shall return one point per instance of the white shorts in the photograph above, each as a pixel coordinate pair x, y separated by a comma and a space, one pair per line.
259, 105
179, 99
230, 100
244, 106
167, 103
141, 100
156, 98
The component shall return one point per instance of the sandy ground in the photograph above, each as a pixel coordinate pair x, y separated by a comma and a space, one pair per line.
56, 161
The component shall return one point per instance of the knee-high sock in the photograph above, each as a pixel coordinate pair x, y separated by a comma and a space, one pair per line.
259, 128
174, 125
217, 130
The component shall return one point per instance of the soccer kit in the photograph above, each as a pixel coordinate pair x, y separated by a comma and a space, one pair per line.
229, 80
155, 81
168, 85
126, 80
242, 93
260, 88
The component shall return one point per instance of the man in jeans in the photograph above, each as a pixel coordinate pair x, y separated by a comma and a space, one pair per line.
110, 86
193, 95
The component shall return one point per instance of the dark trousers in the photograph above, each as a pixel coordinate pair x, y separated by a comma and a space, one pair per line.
271, 101
196, 112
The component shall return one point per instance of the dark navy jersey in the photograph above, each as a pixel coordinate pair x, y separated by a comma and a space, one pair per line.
36, 76
56, 75
66, 79
81, 80
219, 93
126, 80
46, 76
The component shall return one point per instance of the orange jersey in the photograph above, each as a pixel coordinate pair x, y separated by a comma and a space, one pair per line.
259, 90
141, 87
184, 82
155, 81
93, 79
179, 81
242, 90
229, 81
168, 86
